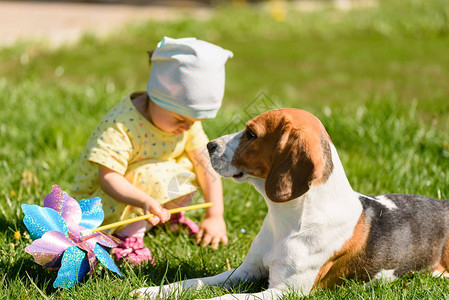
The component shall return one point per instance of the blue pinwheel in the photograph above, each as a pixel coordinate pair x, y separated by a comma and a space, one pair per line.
55, 229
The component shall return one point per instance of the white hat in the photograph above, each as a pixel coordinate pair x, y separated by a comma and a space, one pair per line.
188, 76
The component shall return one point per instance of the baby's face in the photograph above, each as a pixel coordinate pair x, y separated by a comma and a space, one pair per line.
169, 121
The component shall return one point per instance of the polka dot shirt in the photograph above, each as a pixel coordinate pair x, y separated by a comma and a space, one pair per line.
124, 138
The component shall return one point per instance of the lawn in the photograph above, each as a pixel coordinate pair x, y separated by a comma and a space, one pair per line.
378, 78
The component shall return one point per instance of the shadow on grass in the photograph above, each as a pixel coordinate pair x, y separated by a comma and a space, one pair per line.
25, 269
11, 224
165, 272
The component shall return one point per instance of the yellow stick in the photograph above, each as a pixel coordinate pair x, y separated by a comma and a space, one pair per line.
172, 211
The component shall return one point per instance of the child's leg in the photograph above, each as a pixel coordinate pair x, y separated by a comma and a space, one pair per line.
136, 229
161, 187
180, 202
132, 247
179, 218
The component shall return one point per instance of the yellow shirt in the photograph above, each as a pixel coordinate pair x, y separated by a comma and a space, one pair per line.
125, 139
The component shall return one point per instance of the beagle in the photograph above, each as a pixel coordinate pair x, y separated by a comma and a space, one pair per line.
318, 230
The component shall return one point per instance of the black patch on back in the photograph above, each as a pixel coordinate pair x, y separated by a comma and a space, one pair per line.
409, 237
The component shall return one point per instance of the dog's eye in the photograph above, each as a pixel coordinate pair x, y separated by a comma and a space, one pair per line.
250, 135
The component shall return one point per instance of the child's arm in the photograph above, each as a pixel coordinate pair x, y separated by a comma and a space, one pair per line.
116, 186
213, 229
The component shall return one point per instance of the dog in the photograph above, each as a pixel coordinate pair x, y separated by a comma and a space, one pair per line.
318, 230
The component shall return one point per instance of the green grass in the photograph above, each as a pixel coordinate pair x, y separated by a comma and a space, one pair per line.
377, 78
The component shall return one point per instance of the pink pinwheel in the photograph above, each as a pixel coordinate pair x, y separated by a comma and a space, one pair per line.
55, 229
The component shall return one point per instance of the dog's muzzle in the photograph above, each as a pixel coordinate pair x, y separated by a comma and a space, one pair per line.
212, 147
221, 152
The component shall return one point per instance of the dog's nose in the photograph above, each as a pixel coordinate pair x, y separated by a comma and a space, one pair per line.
211, 147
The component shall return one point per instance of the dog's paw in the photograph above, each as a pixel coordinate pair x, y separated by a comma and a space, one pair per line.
145, 293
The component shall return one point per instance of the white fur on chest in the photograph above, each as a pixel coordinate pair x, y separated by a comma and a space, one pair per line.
299, 236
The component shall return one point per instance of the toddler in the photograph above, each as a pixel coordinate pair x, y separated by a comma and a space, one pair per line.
147, 155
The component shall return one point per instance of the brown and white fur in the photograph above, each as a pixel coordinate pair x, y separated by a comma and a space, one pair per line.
318, 230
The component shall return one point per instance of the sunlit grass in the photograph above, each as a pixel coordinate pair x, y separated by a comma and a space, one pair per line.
377, 78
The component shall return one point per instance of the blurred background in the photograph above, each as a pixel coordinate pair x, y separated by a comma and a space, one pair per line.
62, 21
376, 72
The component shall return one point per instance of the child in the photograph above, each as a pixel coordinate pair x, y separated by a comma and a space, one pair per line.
148, 153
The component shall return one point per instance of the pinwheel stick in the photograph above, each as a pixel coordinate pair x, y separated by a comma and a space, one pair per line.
88, 232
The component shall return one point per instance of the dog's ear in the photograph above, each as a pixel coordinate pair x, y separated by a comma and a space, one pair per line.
150, 54
292, 170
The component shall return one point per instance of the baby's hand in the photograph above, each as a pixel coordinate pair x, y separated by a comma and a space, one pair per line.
160, 214
212, 231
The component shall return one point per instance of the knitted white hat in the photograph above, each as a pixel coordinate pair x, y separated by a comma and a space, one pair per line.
188, 76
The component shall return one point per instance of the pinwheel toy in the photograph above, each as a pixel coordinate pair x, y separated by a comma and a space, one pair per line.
88, 232
55, 230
